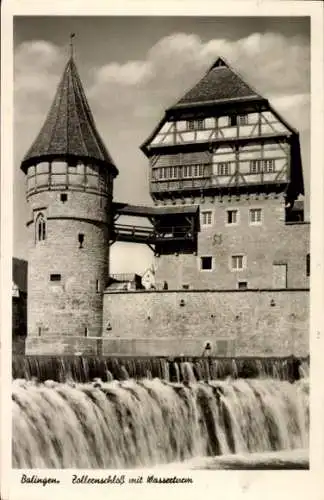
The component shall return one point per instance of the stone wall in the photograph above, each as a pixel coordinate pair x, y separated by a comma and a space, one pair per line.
240, 323
74, 303
174, 323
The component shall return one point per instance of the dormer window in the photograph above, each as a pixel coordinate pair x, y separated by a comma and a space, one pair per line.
200, 124
40, 228
195, 124
243, 119
190, 125
232, 121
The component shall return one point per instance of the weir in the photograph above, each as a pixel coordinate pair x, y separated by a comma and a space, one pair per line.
86, 368
129, 423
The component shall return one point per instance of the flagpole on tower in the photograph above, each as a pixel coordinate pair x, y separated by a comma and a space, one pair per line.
72, 35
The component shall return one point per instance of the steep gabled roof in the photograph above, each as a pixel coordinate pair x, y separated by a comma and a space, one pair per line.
219, 84
69, 130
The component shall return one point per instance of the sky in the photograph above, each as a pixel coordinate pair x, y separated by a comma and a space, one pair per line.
132, 69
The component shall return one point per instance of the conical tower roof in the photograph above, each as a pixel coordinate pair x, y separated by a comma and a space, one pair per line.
220, 84
69, 131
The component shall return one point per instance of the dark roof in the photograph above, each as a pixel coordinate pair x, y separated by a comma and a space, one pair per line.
220, 87
138, 210
125, 277
219, 84
69, 130
19, 273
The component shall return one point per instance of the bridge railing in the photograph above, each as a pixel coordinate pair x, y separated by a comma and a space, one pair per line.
153, 233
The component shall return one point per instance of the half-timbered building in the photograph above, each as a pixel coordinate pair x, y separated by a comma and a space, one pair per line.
223, 153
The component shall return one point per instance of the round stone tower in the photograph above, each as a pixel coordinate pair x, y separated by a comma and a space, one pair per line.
69, 193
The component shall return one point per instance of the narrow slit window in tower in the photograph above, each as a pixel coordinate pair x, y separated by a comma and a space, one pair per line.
81, 240
308, 265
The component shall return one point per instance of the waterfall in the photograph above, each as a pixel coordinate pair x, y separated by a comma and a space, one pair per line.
131, 423
86, 368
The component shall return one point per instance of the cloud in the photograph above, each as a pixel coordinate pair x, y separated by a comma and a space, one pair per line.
37, 67
131, 73
271, 63
295, 108
129, 98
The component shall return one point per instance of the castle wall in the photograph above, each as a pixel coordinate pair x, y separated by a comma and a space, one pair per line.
154, 323
251, 323
262, 245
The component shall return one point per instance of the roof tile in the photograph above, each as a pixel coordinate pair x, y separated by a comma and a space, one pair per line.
219, 84
69, 129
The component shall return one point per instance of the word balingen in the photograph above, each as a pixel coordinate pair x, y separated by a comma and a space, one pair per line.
38, 480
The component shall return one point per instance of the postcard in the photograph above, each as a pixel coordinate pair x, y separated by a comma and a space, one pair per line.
162, 249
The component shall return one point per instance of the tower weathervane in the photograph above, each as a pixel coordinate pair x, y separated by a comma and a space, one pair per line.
72, 35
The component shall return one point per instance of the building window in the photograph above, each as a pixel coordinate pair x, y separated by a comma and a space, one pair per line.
185, 287
63, 197
224, 168
243, 119
195, 124
258, 166
40, 228
237, 262
190, 125
55, 277
242, 285
200, 124
86, 331
98, 286
198, 170
268, 166
255, 216
232, 121
308, 265
173, 172
187, 171
255, 166
206, 263
232, 216
206, 218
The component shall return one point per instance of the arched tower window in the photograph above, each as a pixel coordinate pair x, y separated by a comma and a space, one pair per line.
40, 228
